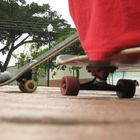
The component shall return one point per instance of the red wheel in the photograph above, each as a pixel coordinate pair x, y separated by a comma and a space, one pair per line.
70, 86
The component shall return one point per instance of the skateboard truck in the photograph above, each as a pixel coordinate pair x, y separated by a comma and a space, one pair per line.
26, 83
25, 76
100, 70
94, 85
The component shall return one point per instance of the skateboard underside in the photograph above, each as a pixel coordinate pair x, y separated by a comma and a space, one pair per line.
126, 59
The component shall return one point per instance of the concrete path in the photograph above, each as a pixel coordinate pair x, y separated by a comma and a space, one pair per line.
46, 115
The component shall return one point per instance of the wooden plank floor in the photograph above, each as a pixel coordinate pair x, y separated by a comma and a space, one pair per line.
46, 114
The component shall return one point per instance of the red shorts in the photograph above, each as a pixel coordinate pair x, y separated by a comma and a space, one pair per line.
106, 26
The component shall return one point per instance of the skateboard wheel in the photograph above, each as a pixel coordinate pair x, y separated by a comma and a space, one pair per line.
21, 87
30, 86
70, 86
126, 88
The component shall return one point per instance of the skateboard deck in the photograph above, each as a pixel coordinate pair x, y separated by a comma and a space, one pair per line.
128, 58
42, 58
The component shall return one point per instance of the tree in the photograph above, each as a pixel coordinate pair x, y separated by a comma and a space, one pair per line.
23, 23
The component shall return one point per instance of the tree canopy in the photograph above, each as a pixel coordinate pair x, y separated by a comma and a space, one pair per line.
22, 23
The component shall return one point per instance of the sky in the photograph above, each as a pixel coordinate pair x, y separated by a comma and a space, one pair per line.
58, 5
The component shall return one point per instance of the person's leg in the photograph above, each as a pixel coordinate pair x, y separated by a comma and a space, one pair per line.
106, 27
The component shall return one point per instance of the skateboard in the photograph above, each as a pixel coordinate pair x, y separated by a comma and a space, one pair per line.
123, 60
23, 76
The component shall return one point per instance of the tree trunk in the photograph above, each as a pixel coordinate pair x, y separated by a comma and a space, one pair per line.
5, 65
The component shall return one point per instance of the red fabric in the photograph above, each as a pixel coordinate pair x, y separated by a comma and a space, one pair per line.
106, 26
